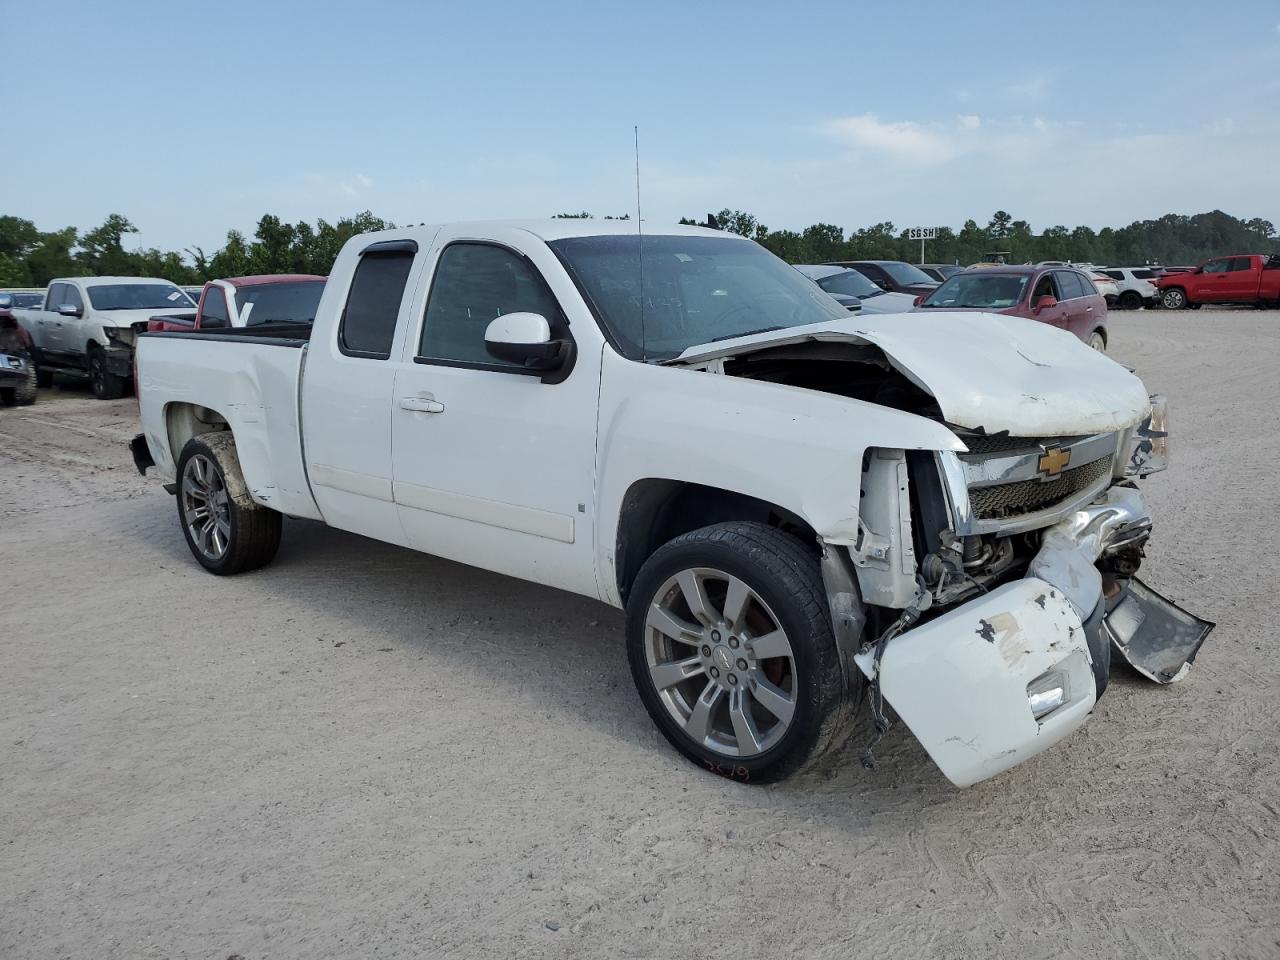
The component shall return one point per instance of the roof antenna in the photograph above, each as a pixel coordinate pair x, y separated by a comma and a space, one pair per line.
640, 231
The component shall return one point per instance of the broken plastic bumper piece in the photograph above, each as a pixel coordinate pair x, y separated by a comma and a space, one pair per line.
992, 682
1154, 635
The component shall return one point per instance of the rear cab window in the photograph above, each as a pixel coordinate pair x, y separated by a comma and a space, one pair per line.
213, 309
368, 324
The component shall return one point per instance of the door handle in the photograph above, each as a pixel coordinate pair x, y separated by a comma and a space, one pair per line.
421, 405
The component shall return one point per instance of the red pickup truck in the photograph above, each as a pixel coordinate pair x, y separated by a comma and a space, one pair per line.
248, 302
1242, 278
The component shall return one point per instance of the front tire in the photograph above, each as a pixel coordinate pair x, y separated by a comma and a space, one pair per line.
1173, 299
731, 650
227, 532
1130, 300
1097, 341
106, 385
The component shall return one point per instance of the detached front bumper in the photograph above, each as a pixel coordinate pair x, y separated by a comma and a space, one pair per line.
1000, 678
119, 360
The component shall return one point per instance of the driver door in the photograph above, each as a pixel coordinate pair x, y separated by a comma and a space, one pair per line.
493, 464
1047, 286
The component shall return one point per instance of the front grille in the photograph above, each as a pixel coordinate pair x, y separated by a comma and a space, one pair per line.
987, 446
1028, 496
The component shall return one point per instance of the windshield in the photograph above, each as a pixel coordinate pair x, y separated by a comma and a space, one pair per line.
137, 296
279, 302
695, 289
986, 290
905, 273
851, 283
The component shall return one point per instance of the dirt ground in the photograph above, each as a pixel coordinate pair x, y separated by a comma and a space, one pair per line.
365, 752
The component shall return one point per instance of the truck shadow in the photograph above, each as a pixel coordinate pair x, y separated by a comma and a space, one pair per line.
563, 650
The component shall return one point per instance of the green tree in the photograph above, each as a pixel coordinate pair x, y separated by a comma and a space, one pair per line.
999, 226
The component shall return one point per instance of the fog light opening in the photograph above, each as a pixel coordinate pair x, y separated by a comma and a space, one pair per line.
1047, 692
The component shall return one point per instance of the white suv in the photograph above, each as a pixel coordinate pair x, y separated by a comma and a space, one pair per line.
1137, 286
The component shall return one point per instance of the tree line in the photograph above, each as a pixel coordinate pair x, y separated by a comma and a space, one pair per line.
1172, 239
32, 257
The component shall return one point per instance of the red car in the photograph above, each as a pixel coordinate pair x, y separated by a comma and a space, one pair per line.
1241, 278
1061, 296
249, 302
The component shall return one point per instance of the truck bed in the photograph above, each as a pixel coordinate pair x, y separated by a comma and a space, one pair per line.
248, 377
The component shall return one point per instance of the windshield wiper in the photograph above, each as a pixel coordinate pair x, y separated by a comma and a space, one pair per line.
744, 333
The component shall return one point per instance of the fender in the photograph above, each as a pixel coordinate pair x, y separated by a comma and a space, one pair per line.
798, 449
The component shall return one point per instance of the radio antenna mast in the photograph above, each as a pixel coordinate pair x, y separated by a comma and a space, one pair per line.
640, 232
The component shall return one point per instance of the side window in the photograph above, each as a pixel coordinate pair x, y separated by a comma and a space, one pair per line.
1044, 288
72, 296
57, 296
1113, 274
213, 312
1217, 266
473, 284
1087, 289
1068, 285
369, 319
1241, 263
1144, 274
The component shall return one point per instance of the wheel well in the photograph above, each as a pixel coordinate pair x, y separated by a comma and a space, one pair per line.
656, 511
1102, 332
184, 420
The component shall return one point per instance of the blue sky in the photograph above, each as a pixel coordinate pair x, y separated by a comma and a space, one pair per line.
192, 119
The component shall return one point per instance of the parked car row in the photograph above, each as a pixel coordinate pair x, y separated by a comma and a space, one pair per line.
87, 327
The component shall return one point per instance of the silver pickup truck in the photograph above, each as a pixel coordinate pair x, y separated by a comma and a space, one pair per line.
791, 503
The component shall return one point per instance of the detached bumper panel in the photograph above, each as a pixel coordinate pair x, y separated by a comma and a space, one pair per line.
1154, 635
960, 682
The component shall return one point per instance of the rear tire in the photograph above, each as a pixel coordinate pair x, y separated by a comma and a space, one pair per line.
106, 385
1130, 300
226, 531
751, 689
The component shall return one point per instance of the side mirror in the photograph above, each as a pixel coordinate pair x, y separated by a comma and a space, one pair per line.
1047, 301
918, 300
70, 310
6, 301
524, 338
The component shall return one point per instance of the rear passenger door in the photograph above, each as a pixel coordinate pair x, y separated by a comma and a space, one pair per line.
1240, 282
347, 385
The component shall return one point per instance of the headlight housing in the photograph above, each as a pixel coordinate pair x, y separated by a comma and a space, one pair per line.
1145, 447
9, 362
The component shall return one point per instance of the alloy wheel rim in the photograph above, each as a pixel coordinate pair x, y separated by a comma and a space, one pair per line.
720, 662
206, 508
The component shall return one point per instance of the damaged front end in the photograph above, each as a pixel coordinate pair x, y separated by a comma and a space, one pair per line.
1005, 578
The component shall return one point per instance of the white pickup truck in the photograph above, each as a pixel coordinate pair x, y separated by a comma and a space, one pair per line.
793, 505
86, 327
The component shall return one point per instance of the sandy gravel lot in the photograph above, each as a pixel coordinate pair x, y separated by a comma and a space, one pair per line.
365, 752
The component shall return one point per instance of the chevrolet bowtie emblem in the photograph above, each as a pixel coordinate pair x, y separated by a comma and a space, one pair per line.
1054, 459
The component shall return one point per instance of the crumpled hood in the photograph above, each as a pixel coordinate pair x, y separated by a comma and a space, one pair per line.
987, 371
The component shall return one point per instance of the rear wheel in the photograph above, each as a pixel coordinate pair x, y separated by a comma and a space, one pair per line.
106, 385
732, 652
1173, 299
1130, 300
226, 531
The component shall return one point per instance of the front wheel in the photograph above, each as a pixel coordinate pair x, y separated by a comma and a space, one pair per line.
732, 652
1097, 341
106, 385
226, 531
1173, 299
